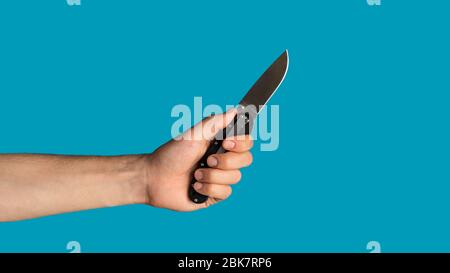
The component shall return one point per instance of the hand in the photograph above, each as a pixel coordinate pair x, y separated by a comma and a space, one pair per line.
171, 166
33, 185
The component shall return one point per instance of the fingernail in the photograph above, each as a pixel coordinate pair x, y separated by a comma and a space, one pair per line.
197, 185
229, 144
212, 161
198, 175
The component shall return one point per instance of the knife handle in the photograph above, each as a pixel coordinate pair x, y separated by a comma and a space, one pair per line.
241, 125
214, 148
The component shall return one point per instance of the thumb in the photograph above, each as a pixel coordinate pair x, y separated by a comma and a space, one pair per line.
210, 126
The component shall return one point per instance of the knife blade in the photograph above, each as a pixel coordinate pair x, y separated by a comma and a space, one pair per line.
247, 111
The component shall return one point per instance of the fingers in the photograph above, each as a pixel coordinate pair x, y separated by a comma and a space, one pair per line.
238, 144
230, 160
217, 176
215, 181
213, 190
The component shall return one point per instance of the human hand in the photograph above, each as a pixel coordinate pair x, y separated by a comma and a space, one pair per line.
170, 168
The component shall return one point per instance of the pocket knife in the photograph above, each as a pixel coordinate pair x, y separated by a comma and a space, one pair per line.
247, 110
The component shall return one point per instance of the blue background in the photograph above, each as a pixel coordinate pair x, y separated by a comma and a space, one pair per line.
364, 150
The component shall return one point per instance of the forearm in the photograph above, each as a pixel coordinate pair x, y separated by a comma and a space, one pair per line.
39, 185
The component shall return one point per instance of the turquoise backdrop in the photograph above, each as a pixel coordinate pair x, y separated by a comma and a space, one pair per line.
364, 117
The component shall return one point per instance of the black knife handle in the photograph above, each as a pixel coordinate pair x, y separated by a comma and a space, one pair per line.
241, 125
214, 148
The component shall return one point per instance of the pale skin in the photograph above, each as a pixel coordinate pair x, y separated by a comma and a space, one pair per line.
39, 185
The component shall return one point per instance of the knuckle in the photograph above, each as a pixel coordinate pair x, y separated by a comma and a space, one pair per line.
249, 158
250, 143
214, 190
224, 161
227, 192
238, 176
207, 189
208, 174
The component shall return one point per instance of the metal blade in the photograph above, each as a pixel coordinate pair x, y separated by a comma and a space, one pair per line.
267, 84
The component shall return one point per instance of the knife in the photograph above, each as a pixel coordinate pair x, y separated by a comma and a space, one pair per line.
247, 110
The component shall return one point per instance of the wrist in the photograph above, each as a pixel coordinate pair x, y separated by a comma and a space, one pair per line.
142, 177
132, 171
